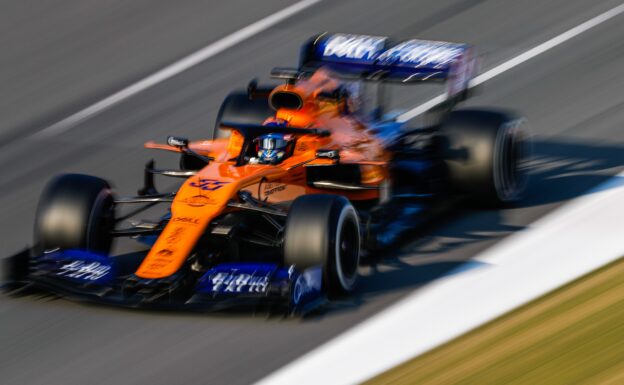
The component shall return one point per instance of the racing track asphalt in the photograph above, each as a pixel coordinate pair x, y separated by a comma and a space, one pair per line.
571, 95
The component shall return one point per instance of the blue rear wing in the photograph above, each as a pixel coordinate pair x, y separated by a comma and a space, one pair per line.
379, 58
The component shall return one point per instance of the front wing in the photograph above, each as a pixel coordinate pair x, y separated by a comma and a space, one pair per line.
88, 276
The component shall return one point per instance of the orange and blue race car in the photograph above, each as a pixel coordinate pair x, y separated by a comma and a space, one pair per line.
300, 182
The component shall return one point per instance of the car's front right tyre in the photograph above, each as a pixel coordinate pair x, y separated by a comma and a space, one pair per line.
323, 230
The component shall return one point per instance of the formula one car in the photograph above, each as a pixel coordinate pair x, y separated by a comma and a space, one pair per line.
298, 183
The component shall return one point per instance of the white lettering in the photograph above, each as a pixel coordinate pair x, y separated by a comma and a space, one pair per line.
236, 283
354, 46
218, 280
81, 270
421, 52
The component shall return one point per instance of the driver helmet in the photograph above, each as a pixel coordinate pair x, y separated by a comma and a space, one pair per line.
273, 148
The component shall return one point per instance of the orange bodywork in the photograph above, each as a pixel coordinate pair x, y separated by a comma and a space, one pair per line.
204, 196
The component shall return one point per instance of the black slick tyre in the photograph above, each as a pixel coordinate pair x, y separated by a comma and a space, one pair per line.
75, 212
484, 152
323, 230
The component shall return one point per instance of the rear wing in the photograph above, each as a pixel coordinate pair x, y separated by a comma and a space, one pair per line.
379, 58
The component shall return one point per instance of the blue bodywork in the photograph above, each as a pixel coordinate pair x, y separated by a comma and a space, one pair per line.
229, 280
78, 266
410, 60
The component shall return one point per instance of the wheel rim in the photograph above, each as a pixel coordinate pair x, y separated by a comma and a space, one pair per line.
509, 177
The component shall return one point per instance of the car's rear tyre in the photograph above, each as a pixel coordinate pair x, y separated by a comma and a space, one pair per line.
323, 230
75, 212
484, 152
238, 107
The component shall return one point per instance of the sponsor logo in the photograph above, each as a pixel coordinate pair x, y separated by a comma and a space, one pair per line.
233, 282
208, 184
162, 259
328, 154
89, 271
307, 286
158, 264
265, 189
187, 220
272, 188
422, 53
175, 235
298, 290
177, 142
164, 253
199, 201
353, 46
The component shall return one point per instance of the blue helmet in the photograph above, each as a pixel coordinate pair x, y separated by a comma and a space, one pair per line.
273, 148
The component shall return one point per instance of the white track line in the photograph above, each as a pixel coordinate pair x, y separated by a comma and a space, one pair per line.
175, 68
517, 60
575, 239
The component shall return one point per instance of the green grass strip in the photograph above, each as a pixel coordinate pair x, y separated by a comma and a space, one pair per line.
574, 335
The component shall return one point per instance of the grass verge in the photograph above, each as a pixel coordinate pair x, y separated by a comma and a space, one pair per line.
574, 335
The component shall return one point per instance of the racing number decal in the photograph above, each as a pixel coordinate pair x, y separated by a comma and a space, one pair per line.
208, 184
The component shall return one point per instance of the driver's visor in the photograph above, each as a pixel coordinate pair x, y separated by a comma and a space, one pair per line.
273, 143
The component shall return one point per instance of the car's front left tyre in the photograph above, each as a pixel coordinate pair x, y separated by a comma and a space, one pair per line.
75, 212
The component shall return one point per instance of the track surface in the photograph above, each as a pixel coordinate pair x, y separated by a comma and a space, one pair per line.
57, 60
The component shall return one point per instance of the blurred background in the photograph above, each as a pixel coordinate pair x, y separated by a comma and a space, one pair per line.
59, 57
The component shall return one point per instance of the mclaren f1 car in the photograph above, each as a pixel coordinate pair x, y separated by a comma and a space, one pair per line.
299, 182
